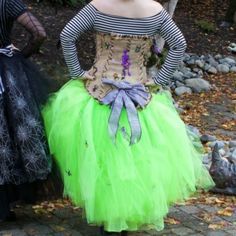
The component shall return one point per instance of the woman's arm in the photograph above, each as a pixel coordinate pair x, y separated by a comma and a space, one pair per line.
18, 11
38, 34
82, 22
177, 44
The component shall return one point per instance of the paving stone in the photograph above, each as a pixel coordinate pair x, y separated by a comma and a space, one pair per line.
182, 231
231, 219
173, 209
196, 225
64, 213
197, 234
216, 233
190, 209
15, 232
157, 233
209, 209
181, 216
231, 232
68, 233
34, 228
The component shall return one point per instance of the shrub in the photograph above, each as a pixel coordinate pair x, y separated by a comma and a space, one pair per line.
205, 25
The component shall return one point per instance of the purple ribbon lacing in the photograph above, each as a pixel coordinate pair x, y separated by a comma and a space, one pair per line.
126, 63
129, 96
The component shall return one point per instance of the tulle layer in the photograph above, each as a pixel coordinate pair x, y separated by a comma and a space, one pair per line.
120, 186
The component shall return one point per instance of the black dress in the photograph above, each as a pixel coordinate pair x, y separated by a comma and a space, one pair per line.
24, 155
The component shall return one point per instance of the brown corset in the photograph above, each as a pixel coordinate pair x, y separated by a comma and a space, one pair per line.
120, 58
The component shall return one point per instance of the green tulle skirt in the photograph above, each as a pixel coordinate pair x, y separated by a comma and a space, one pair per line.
119, 186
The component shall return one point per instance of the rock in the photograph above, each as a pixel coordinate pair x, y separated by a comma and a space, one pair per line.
200, 73
194, 130
195, 69
199, 63
198, 84
218, 56
232, 47
189, 75
178, 75
212, 61
179, 84
181, 90
221, 144
207, 138
206, 159
233, 69
222, 152
232, 143
212, 70
186, 57
233, 156
223, 68
207, 67
228, 60
184, 70
190, 62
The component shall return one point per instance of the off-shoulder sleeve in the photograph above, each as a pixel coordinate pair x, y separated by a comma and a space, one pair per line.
82, 22
15, 8
177, 44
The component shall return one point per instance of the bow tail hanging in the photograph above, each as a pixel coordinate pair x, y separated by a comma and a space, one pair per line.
133, 119
116, 109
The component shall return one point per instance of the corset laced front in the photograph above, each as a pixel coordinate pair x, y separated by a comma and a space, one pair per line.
119, 58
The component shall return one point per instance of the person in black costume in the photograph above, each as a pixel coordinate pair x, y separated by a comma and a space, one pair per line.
24, 156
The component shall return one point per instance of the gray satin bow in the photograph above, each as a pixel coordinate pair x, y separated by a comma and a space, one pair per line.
129, 96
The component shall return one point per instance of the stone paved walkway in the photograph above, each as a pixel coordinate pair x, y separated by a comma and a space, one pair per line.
190, 220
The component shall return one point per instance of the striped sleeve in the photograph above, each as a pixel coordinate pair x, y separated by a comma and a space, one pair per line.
82, 22
177, 45
15, 8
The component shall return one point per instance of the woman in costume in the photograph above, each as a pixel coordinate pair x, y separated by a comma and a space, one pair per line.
24, 156
123, 151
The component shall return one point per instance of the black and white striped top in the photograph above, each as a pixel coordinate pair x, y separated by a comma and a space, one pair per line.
91, 18
9, 11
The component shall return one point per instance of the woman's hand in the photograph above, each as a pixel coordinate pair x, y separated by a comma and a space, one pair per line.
87, 76
150, 83
152, 86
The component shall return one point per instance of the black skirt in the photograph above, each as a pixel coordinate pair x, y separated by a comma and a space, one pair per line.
24, 154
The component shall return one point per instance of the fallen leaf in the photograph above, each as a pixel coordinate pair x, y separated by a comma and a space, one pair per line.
171, 221
228, 211
218, 225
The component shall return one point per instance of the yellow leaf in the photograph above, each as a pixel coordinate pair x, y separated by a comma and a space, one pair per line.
171, 221
218, 225
58, 228
228, 211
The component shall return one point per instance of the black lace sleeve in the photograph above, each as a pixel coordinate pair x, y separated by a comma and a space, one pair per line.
15, 8
38, 34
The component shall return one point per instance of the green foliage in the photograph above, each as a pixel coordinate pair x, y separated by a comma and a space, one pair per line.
157, 60
205, 25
